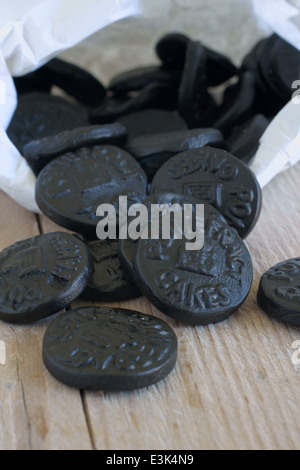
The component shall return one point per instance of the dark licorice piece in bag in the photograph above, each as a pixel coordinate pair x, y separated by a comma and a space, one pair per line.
286, 66
41, 115
238, 106
74, 80
172, 49
152, 121
40, 152
137, 79
244, 140
154, 150
195, 104
153, 96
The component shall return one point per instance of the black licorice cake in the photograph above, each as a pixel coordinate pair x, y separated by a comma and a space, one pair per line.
172, 143
215, 177
238, 105
172, 50
74, 80
152, 151
41, 276
152, 121
71, 188
137, 79
196, 287
40, 152
41, 115
279, 292
109, 349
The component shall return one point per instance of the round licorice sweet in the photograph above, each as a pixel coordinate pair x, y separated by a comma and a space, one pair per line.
244, 140
109, 349
40, 152
217, 178
109, 282
71, 188
279, 292
171, 49
239, 105
153, 151
171, 143
41, 276
152, 121
74, 80
137, 79
194, 103
197, 287
41, 115
156, 95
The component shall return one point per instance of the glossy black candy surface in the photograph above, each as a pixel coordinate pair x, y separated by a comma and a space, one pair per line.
74, 80
244, 140
42, 275
196, 287
217, 178
152, 151
172, 143
194, 103
279, 292
109, 349
41, 115
152, 121
238, 104
172, 50
42, 151
137, 79
156, 95
71, 188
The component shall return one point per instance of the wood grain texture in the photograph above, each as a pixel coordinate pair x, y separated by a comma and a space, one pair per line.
234, 386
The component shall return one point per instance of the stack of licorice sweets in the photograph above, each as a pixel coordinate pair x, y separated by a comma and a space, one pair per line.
157, 135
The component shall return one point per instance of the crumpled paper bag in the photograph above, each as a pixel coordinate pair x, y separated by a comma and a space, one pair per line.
31, 34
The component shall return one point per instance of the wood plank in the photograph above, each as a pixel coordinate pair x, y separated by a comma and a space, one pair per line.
36, 412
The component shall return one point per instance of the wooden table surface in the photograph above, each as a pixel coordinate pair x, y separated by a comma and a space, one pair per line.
234, 386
